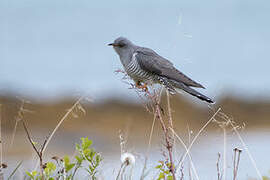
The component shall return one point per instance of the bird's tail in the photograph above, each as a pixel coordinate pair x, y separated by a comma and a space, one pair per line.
192, 92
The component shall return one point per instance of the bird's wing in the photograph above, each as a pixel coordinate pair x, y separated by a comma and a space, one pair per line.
150, 61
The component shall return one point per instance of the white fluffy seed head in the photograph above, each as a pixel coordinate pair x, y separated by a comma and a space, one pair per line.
128, 158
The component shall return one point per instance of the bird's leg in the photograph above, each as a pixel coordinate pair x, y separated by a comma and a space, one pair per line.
142, 86
138, 84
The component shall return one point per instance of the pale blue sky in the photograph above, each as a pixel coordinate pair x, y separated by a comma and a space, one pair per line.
49, 48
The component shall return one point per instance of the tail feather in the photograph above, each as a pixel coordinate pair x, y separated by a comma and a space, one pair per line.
192, 91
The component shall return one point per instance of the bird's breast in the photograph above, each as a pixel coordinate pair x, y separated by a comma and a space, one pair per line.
134, 70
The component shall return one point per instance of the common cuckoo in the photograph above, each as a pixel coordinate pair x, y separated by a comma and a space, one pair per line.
145, 66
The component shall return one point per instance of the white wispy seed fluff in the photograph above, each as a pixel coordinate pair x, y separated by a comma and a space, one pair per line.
128, 158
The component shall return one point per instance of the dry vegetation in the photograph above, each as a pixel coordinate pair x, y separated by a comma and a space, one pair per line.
172, 115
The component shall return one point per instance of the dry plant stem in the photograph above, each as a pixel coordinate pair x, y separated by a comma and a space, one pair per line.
120, 170
218, 169
189, 168
167, 138
229, 121
151, 134
74, 172
1, 144
149, 145
123, 172
150, 139
191, 162
236, 160
39, 153
18, 118
13, 134
122, 142
237, 164
14, 171
170, 112
170, 119
197, 135
61, 121
247, 150
182, 173
224, 152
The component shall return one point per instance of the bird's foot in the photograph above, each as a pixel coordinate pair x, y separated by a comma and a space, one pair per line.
142, 86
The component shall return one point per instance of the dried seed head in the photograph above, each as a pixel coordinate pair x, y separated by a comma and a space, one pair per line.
3, 165
128, 158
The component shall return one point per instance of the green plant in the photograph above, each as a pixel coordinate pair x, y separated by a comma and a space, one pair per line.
64, 168
164, 171
90, 155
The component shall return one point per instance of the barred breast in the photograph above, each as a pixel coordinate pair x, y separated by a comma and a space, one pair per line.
134, 70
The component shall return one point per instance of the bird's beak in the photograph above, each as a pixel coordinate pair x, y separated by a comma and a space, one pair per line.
111, 44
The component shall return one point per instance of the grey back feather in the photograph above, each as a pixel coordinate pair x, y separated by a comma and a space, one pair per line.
150, 61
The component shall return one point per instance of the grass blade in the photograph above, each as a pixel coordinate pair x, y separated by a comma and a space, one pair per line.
14, 171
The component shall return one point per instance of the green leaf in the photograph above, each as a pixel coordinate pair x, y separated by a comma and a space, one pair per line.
98, 158
34, 173
167, 172
86, 143
78, 147
50, 168
29, 174
161, 176
66, 160
169, 177
79, 159
69, 166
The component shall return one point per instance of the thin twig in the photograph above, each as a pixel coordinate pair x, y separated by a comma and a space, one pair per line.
159, 111
149, 142
197, 135
224, 152
39, 153
29, 137
13, 134
182, 173
75, 170
1, 143
189, 140
61, 121
14, 171
218, 169
120, 170
169, 112
247, 150
167, 139
188, 153
236, 160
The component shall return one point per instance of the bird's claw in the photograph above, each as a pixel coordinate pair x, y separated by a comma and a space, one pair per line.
143, 87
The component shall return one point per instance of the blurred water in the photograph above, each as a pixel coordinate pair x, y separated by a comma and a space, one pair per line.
204, 155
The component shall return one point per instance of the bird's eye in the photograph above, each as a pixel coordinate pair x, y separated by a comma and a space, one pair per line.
121, 45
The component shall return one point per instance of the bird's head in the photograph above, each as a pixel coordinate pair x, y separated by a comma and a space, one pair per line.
122, 46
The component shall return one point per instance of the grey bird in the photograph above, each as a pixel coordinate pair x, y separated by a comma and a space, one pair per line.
144, 65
